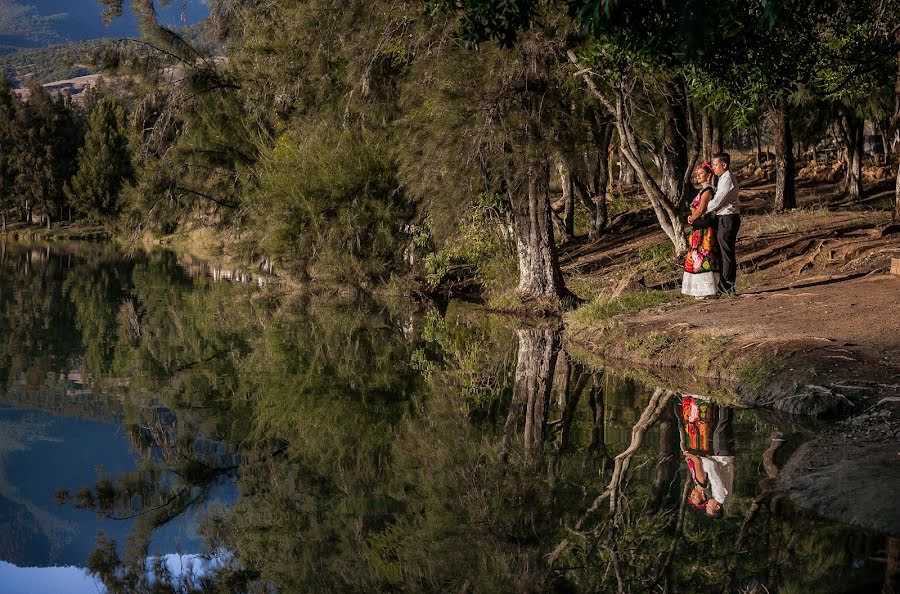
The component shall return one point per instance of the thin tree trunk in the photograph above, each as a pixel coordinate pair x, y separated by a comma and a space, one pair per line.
706, 127
566, 223
718, 144
4, 222
539, 273
595, 194
627, 174
891, 565
668, 196
758, 137
897, 196
854, 127
785, 189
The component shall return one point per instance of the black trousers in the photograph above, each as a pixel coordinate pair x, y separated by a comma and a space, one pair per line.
728, 228
723, 435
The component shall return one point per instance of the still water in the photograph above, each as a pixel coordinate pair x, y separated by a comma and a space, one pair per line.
167, 426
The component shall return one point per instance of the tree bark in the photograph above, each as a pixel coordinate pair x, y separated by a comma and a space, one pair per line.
758, 137
718, 144
667, 197
538, 350
706, 133
566, 222
675, 147
595, 194
539, 273
853, 137
627, 175
897, 196
785, 189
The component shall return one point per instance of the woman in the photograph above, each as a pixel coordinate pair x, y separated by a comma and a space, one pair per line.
701, 265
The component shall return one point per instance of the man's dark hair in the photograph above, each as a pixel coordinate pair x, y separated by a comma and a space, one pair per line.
723, 157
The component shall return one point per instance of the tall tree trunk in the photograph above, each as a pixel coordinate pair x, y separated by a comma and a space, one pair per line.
675, 147
758, 137
897, 196
539, 273
627, 174
595, 194
785, 189
853, 136
566, 222
667, 196
706, 127
538, 350
4, 222
718, 144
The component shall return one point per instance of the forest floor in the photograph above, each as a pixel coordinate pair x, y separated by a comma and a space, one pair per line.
814, 330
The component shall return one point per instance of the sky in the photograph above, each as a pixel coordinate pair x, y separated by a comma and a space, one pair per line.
36, 23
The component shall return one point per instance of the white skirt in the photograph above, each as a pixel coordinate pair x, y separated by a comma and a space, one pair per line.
703, 284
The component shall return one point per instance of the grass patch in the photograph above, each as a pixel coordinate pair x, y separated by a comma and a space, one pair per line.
648, 344
657, 257
708, 348
600, 311
755, 374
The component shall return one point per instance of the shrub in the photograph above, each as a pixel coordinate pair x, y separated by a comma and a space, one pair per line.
329, 206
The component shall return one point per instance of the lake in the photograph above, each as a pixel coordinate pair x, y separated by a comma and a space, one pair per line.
170, 424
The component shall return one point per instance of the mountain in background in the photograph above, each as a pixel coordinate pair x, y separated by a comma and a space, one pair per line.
39, 23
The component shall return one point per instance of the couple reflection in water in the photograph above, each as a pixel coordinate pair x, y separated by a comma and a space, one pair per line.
706, 436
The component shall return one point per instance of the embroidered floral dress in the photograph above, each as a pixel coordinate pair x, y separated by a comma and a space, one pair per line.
701, 264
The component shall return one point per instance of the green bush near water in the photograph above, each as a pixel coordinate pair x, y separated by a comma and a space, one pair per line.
329, 206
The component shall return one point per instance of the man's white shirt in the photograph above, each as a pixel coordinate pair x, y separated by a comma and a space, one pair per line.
725, 201
720, 475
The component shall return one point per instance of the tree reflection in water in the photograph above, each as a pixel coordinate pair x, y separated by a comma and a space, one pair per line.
376, 448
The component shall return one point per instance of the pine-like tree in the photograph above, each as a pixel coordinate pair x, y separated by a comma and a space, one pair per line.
7, 143
104, 163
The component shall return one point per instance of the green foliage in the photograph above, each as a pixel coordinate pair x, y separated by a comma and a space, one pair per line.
104, 163
481, 239
329, 206
756, 373
48, 64
48, 136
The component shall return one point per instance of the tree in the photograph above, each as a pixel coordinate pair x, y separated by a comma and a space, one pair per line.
104, 163
7, 144
45, 156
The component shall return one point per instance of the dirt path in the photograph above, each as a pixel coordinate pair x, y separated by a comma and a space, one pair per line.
844, 321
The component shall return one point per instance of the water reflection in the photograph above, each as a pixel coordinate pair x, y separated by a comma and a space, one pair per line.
706, 435
324, 444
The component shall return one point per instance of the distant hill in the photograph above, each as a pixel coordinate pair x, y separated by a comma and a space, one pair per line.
46, 64
47, 40
33, 24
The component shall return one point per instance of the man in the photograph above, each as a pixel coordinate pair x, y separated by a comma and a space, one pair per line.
725, 206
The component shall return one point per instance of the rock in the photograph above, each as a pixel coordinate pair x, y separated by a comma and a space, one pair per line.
815, 401
850, 481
